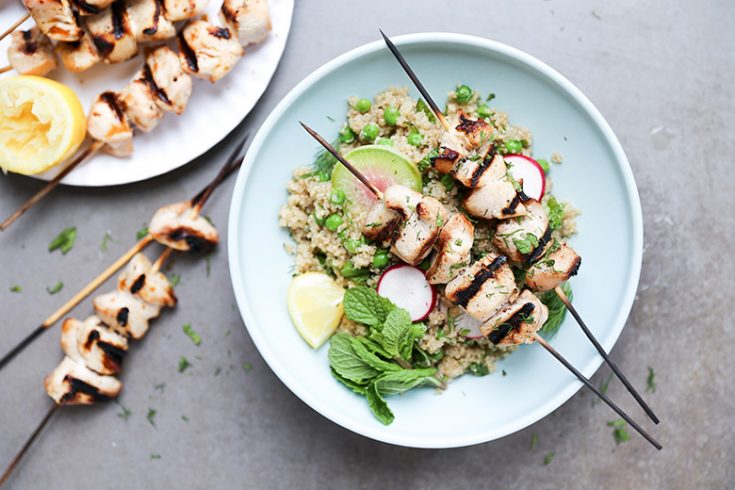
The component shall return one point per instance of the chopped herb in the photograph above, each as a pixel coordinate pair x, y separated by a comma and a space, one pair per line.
55, 288
160, 387
464, 332
228, 332
421, 106
439, 220
184, 418
447, 181
490, 97
209, 220
516, 185
174, 280
106, 239
458, 242
151, 416
527, 244
247, 366
125, 413
192, 334
604, 385
651, 381
534, 441
620, 434
183, 364
141, 233
208, 260
217, 371
64, 241
555, 210
478, 369
155, 456
548, 458
16, 289
504, 373
324, 162
557, 311
331, 118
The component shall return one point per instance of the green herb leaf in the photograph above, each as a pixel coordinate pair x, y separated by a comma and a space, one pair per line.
151, 416
422, 106
141, 233
174, 280
359, 389
125, 413
397, 382
16, 289
378, 405
478, 369
345, 361
55, 288
397, 331
106, 239
374, 347
192, 334
651, 381
557, 311
620, 434
371, 359
527, 244
184, 418
247, 367
363, 305
534, 441
64, 241
604, 385
555, 211
155, 456
548, 458
183, 364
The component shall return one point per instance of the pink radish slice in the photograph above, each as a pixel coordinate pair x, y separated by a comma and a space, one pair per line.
406, 286
526, 169
471, 325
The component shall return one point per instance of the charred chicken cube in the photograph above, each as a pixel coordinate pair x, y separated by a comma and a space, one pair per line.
176, 10
453, 249
518, 322
380, 223
478, 172
148, 22
181, 227
80, 55
92, 343
483, 288
112, 33
476, 132
445, 161
524, 239
138, 100
73, 383
401, 199
172, 85
125, 313
420, 231
55, 18
31, 53
152, 287
558, 264
250, 20
208, 51
494, 200
108, 123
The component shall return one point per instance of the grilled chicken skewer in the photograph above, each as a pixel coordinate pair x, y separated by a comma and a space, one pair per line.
184, 230
486, 289
543, 275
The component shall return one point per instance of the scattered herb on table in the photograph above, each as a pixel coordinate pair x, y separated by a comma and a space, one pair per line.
557, 311
155, 456
247, 366
217, 371
124, 413
141, 233
106, 239
548, 457
174, 280
620, 434
651, 381
16, 289
184, 418
151, 416
64, 241
183, 364
55, 288
192, 334
208, 261
534, 441
604, 385
160, 387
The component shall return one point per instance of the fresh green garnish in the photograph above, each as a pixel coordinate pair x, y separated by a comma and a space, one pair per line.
548, 458
516, 185
141, 233
106, 239
184, 418
651, 381
447, 181
490, 97
183, 364
174, 280
557, 311
346, 135
155, 456
513, 146
421, 106
390, 115
414, 138
349, 271
160, 387
192, 334
55, 288
478, 369
484, 112
604, 385
246, 366
527, 244
544, 165
363, 105
333, 222
16, 289
337, 197
555, 211
125, 413
534, 441
462, 94
620, 434
324, 163
369, 132
151, 416
64, 241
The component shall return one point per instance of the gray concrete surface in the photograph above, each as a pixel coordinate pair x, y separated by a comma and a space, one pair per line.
660, 71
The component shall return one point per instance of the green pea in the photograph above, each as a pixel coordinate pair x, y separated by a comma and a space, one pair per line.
381, 259
369, 132
415, 138
337, 196
513, 146
349, 270
352, 245
390, 114
323, 176
463, 94
333, 222
484, 112
544, 165
346, 135
385, 141
363, 105
318, 220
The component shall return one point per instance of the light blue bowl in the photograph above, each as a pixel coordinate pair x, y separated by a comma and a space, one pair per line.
595, 177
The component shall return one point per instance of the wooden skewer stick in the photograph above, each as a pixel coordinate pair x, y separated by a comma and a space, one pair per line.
557, 290
233, 163
564, 299
15, 25
424, 93
50, 185
597, 392
6, 474
5, 68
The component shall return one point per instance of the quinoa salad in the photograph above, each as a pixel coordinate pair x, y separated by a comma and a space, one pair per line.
327, 212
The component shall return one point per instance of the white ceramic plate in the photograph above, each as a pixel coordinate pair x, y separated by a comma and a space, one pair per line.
595, 176
213, 111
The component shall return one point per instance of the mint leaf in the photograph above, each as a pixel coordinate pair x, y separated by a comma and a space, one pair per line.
397, 332
371, 359
557, 311
378, 405
346, 363
374, 346
140, 234
400, 381
363, 305
555, 211
360, 390
192, 334
64, 241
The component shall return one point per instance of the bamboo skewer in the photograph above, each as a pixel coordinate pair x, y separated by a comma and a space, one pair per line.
5, 68
540, 340
563, 297
51, 184
233, 163
15, 25
18, 457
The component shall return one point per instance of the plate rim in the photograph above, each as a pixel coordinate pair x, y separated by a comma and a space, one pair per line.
569, 89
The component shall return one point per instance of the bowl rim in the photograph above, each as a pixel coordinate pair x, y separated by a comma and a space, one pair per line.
478, 437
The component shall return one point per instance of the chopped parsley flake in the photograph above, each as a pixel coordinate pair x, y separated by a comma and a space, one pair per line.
604, 385
106, 239
155, 456
174, 280
619, 433
478, 369
651, 381
141, 233
64, 241
555, 210
55, 288
151, 416
183, 364
247, 366
160, 387
16, 289
527, 244
125, 413
534, 441
548, 458
184, 418
192, 334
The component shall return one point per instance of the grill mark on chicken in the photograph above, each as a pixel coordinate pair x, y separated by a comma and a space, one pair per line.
29, 47
113, 355
110, 98
82, 5
118, 20
103, 46
467, 125
517, 199
189, 54
122, 316
229, 13
575, 267
444, 161
149, 31
541, 246
220, 32
79, 386
482, 167
93, 335
138, 284
148, 78
513, 322
195, 243
463, 296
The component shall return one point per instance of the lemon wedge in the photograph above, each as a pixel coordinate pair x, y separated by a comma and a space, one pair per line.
42, 123
315, 306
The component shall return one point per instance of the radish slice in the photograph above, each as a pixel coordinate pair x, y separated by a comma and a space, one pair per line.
465, 321
407, 287
528, 170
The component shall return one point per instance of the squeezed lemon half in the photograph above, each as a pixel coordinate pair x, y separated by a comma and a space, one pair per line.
42, 123
315, 305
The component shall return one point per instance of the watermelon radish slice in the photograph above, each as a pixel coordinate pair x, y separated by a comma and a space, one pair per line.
528, 170
464, 322
382, 165
406, 286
